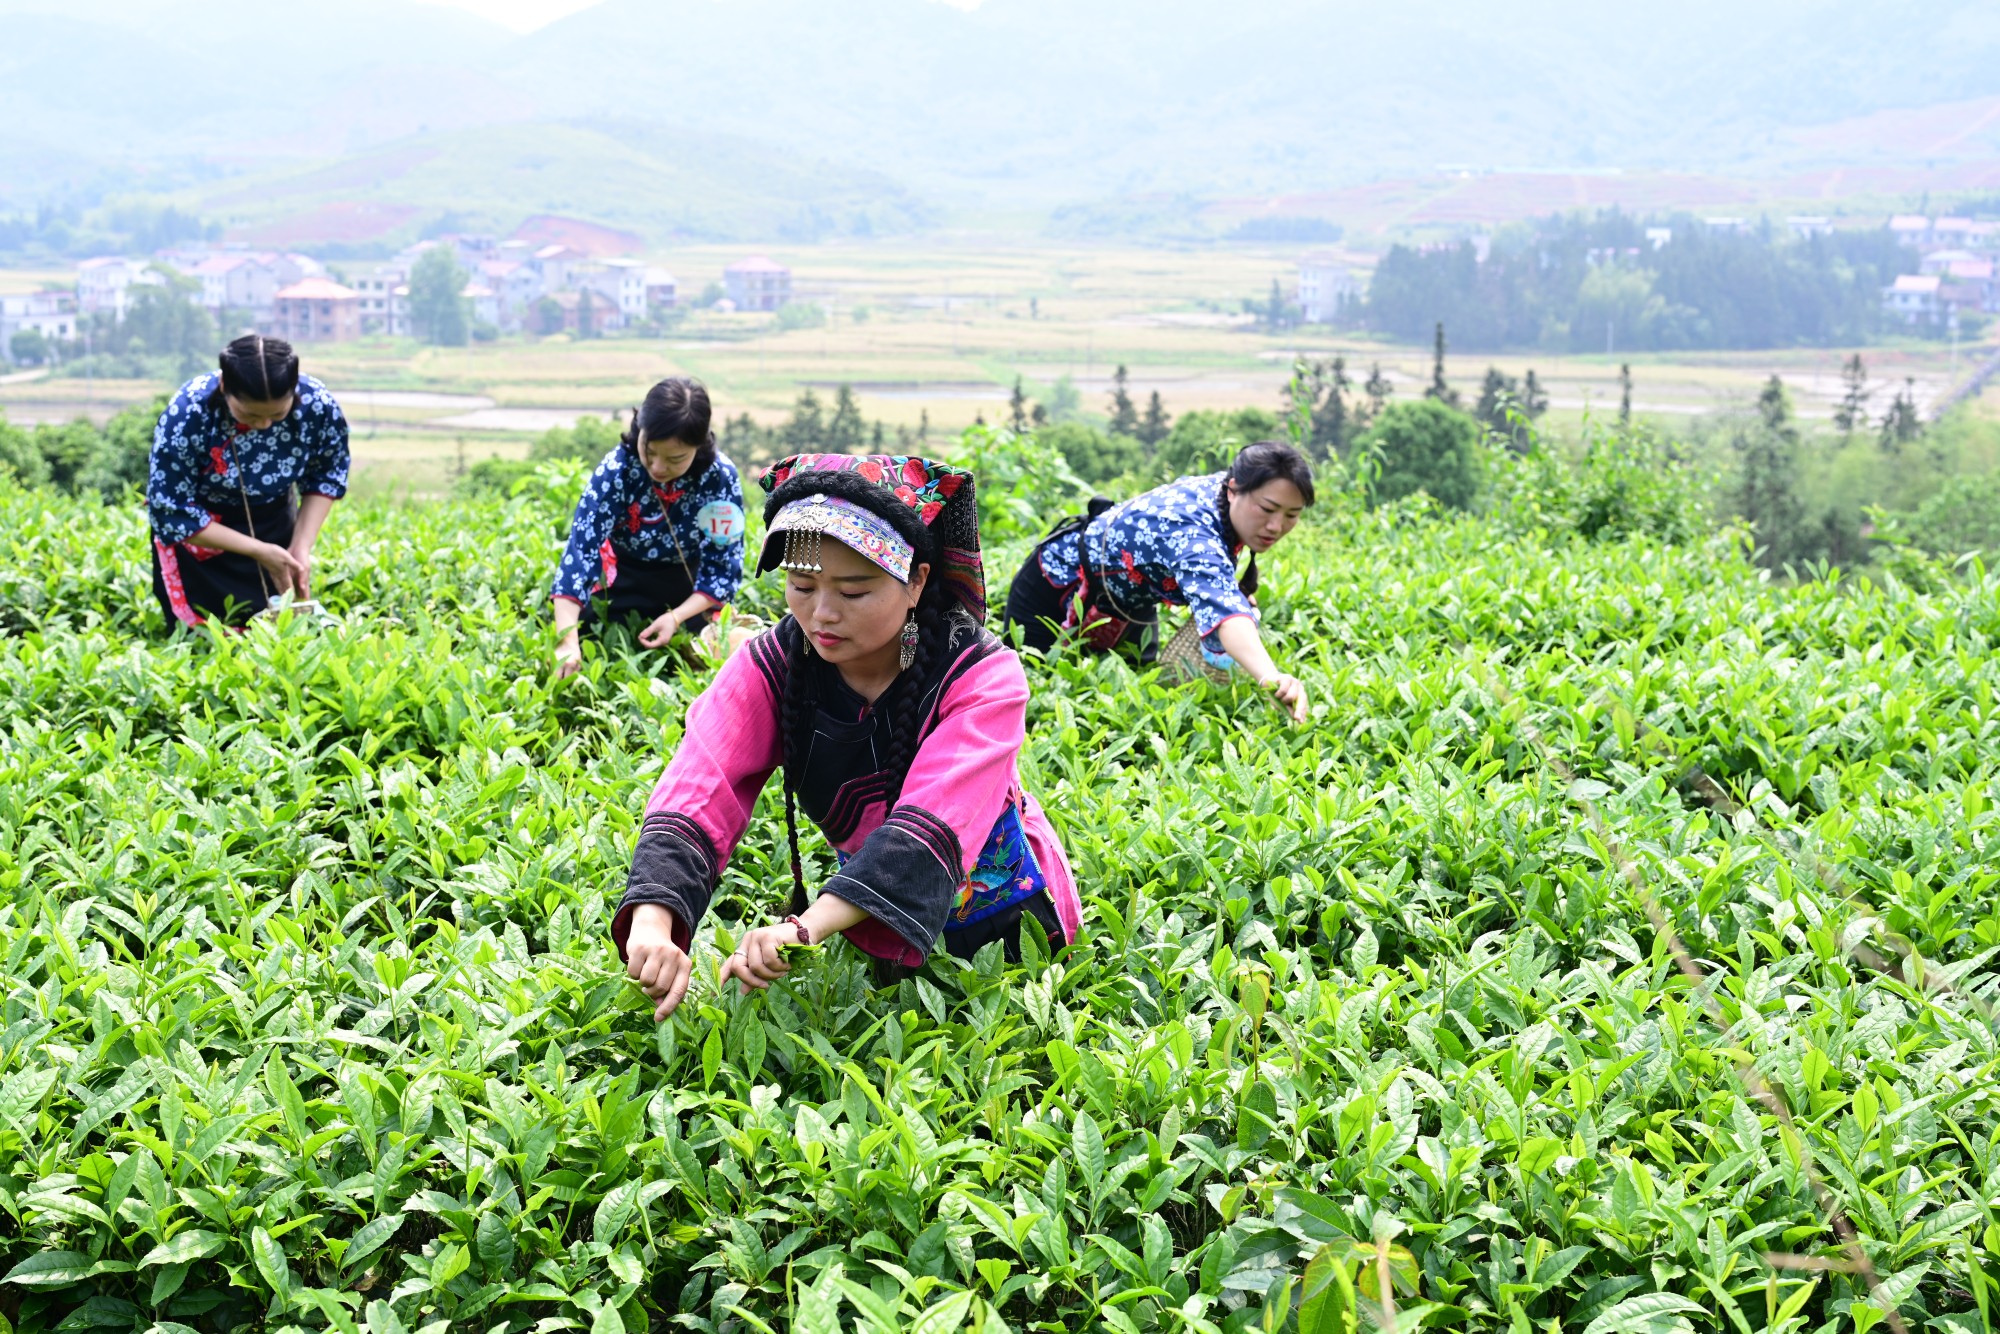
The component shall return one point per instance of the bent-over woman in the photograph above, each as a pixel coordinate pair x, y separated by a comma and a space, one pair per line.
1105, 574
228, 534
658, 532
895, 721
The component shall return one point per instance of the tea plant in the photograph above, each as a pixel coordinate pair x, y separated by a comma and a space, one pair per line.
310, 1021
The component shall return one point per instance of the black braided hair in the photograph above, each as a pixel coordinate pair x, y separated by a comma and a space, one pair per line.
1254, 465
256, 369
939, 630
794, 719
676, 408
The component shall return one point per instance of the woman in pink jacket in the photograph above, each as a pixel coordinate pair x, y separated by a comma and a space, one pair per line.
896, 722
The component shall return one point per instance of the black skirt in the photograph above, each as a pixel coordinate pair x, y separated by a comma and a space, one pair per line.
196, 584
642, 591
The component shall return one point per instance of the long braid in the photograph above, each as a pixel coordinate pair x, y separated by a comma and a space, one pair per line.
795, 716
934, 646
1248, 583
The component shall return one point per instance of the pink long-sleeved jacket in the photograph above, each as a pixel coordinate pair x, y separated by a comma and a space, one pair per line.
963, 841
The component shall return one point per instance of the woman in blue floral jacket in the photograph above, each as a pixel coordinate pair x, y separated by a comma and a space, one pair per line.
658, 532
232, 445
1105, 574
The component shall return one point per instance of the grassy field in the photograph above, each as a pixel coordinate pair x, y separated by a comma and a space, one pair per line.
309, 1020
943, 330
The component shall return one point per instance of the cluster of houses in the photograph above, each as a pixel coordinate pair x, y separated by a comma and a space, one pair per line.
512, 287
1955, 271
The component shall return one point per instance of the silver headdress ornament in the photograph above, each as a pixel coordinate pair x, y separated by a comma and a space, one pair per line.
801, 551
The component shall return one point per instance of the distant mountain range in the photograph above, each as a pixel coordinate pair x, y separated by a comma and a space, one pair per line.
767, 118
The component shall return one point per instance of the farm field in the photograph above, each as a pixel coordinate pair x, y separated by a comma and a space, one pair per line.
310, 1020
944, 331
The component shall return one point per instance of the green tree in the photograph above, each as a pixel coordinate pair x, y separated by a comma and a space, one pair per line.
1322, 423
548, 316
1091, 454
1378, 390
18, 456
29, 347
1207, 441
1064, 402
1625, 391
68, 450
1852, 414
1439, 389
1425, 446
122, 456
1124, 417
1534, 399
846, 431
1017, 408
589, 440
1496, 392
1153, 427
806, 428
438, 311
164, 321
1901, 424
1767, 481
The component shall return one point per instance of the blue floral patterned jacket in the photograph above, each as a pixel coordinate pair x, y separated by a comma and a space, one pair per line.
623, 512
1169, 545
198, 449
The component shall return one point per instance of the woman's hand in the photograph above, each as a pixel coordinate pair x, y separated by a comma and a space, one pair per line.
302, 584
285, 569
758, 961
660, 631
569, 656
1291, 693
660, 967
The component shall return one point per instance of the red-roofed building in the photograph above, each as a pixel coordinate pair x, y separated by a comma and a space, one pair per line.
758, 284
317, 310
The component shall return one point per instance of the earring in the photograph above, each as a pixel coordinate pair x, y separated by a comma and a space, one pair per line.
910, 640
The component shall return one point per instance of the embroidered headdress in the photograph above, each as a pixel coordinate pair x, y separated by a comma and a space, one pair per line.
893, 509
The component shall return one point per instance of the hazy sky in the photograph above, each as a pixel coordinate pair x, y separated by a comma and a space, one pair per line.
527, 15
520, 15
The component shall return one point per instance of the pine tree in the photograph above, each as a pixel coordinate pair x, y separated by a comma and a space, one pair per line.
1767, 487
805, 432
1534, 399
1154, 427
1624, 393
924, 427
1497, 392
1852, 414
1124, 417
1017, 409
1378, 390
846, 431
1275, 313
1439, 389
1901, 424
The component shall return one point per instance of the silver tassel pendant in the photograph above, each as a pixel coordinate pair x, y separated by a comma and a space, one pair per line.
909, 655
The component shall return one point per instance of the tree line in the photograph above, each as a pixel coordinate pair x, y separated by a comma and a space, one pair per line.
1601, 284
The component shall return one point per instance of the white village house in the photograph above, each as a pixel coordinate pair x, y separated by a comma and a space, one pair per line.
1325, 285
51, 314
